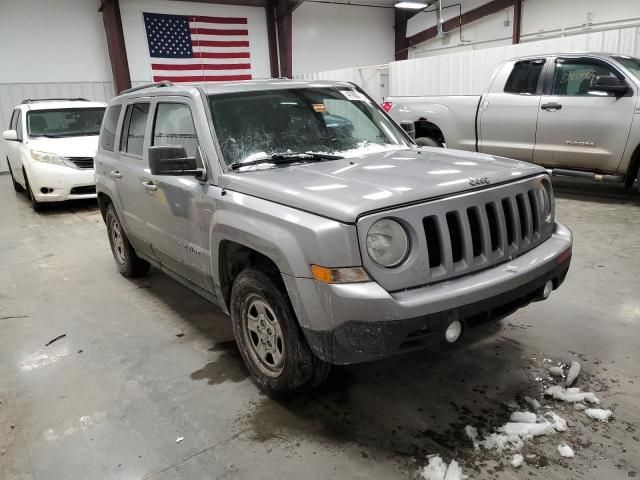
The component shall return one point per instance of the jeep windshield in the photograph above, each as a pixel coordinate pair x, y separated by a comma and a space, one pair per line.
64, 122
263, 129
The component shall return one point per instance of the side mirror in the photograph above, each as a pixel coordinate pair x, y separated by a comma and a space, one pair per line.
10, 135
609, 84
409, 127
172, 160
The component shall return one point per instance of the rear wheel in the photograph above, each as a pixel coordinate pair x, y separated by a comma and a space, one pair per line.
270, 341
127, 261
35, 204
16, 186
428, 142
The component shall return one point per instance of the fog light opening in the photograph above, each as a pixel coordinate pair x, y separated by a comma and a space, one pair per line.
453, 331
548, 288
46, 190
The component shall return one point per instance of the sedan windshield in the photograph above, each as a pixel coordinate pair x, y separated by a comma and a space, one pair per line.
632, 64
64, 122
300, 124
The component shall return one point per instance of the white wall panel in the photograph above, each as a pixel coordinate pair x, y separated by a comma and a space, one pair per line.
329, 37
371, 79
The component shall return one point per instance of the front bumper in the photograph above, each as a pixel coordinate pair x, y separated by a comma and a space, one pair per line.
359, 322
60, 182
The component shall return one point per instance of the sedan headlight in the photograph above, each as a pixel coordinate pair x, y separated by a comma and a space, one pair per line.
46, 157
387, 243
545, 195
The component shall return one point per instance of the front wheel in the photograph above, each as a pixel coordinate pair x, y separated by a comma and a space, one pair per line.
270, 341
35, 204
16, 186
127, 261
428, 142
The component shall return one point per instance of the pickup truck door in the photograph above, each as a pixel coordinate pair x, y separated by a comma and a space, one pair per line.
177, 218
579, 128
508, 112
127, 171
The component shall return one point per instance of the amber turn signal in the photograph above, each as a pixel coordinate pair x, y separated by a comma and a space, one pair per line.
339, 275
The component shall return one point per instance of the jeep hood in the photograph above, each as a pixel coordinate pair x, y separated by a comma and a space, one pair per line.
347, 188
85, 146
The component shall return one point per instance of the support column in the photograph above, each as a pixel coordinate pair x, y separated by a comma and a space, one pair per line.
400, 26
272, 36
110, 10
285, 41
517, 20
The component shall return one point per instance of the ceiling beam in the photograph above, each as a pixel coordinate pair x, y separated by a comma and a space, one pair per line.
458, 21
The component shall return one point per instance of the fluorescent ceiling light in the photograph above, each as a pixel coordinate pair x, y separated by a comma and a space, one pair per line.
411, 5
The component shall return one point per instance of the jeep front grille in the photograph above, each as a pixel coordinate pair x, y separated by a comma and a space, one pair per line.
482, 235
464, 233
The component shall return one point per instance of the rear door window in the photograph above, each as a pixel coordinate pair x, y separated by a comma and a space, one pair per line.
135, 125
524, 77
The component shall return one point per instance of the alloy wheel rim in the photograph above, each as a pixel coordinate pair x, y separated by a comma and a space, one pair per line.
263, 336
118, 241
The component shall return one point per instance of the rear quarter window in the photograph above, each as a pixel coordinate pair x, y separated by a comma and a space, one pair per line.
109, 126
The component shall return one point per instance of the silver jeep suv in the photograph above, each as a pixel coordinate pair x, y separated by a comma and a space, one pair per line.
307, 214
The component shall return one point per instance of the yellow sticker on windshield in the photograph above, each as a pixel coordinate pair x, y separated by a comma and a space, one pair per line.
319, 107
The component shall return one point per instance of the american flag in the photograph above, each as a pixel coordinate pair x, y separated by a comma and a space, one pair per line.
198, 48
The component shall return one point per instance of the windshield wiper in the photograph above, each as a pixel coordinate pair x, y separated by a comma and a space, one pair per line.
283, 158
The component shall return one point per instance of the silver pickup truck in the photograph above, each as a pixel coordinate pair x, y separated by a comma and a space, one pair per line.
575, 114
311, 217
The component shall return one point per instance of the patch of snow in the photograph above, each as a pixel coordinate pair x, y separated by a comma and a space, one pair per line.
454, 472
573, 373
472, 434
599, 414
579, 406
523, 417
501, 441
533, 403
559, 423
527, 429
436, 469
565, 450
517, 460
571, 395
556, 371
179, 439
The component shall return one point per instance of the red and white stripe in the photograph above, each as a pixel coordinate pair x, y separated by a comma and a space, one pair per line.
220, 53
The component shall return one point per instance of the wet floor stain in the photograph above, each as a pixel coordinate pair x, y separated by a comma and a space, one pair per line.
227, 367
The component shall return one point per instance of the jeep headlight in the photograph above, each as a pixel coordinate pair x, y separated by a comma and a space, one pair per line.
46, 157
387, 243
545, 196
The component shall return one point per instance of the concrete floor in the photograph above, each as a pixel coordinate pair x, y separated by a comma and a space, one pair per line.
145, 362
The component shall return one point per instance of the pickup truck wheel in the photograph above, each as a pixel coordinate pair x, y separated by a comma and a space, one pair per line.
427, 142
16, 186
128, 263
270, 341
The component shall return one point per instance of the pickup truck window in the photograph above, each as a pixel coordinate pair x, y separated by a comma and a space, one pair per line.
573, 76
524, 77
333, 121
135, 123
632, 64
174, 126
108, 134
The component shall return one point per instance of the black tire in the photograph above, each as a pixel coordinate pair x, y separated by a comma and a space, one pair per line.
300, 369
16, 186
127, 261
428, 142
35, 204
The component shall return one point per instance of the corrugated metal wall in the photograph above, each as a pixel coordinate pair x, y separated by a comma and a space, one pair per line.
467, 73
12, 94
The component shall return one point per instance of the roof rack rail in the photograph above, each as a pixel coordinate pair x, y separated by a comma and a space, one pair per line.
163, 83
34, 100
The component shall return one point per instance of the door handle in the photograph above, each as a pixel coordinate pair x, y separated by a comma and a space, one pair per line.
149, 186
116, 174
551, 106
